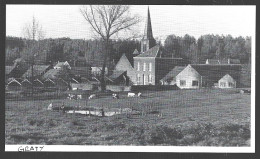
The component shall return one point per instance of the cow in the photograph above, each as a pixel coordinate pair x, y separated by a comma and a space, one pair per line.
131, 94
115, 96
50, 107
79, 96
92, 96
139, 94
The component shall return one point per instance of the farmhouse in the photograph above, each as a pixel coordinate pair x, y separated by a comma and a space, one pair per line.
227, 82
205, 75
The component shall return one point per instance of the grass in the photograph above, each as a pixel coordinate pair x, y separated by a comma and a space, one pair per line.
207, 117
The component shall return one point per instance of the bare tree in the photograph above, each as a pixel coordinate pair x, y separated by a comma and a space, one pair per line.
33, 32
108, 21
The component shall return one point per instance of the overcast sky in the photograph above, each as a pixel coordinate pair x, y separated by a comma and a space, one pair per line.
67, 21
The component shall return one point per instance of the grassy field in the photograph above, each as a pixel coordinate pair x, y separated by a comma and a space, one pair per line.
209, 117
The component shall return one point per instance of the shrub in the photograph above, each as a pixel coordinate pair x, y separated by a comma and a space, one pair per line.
165, 135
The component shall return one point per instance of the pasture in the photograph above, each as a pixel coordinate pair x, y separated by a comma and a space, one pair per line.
208, 117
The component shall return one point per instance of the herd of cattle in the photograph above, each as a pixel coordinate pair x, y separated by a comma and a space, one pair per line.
92, 96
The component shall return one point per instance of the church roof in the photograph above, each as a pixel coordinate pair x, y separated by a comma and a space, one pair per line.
153, 52
148, 33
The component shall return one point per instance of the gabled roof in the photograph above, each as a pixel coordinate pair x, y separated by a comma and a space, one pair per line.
123, 64
51, 73
173, 73
227, 77
37, 70
116, 74
61, 64
8, 69
152, 52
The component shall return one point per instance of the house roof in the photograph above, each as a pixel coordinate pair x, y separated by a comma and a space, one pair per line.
37, 70
173, 73
123, 63
8, 69
215, 72
116, 74
51, 73
61, 64
227, 77
152, 52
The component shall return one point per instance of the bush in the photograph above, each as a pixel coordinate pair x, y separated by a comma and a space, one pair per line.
165, 135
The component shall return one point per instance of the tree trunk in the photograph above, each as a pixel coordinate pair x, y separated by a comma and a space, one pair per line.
102, 81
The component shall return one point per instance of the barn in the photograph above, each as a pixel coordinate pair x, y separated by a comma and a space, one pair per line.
227, 82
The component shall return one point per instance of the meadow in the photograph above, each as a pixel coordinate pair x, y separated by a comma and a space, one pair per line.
205, 117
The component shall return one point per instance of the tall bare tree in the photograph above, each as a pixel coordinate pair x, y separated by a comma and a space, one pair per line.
107, 21
33, 32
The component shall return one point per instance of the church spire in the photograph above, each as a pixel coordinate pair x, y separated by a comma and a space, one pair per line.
148, 33
148, 41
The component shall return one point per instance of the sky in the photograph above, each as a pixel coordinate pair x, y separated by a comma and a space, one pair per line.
67, 21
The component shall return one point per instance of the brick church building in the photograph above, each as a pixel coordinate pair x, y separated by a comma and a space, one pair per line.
151, 64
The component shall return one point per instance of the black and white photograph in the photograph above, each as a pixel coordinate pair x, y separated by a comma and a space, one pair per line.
130, 78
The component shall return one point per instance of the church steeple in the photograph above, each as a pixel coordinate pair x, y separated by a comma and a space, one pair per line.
148, 41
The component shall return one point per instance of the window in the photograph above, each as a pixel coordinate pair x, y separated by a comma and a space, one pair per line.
144, 47
195, 83
182, 82
230, 84
150, 66
222, 84
144, 67
138, 78
150, 78
138, 66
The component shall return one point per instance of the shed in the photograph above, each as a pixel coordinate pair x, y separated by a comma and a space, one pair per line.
227, 82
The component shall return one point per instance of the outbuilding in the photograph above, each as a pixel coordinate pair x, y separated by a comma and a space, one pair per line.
227, 82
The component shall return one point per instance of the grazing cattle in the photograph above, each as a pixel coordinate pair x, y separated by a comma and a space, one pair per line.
92, 96
131, 94
115, 96
79, 96
50, 107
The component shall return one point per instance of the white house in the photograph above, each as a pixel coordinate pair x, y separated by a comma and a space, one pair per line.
188, 78
227, 82
60, 65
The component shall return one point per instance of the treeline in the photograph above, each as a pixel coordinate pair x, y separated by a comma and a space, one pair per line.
60, 49
48, 51
209, 47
